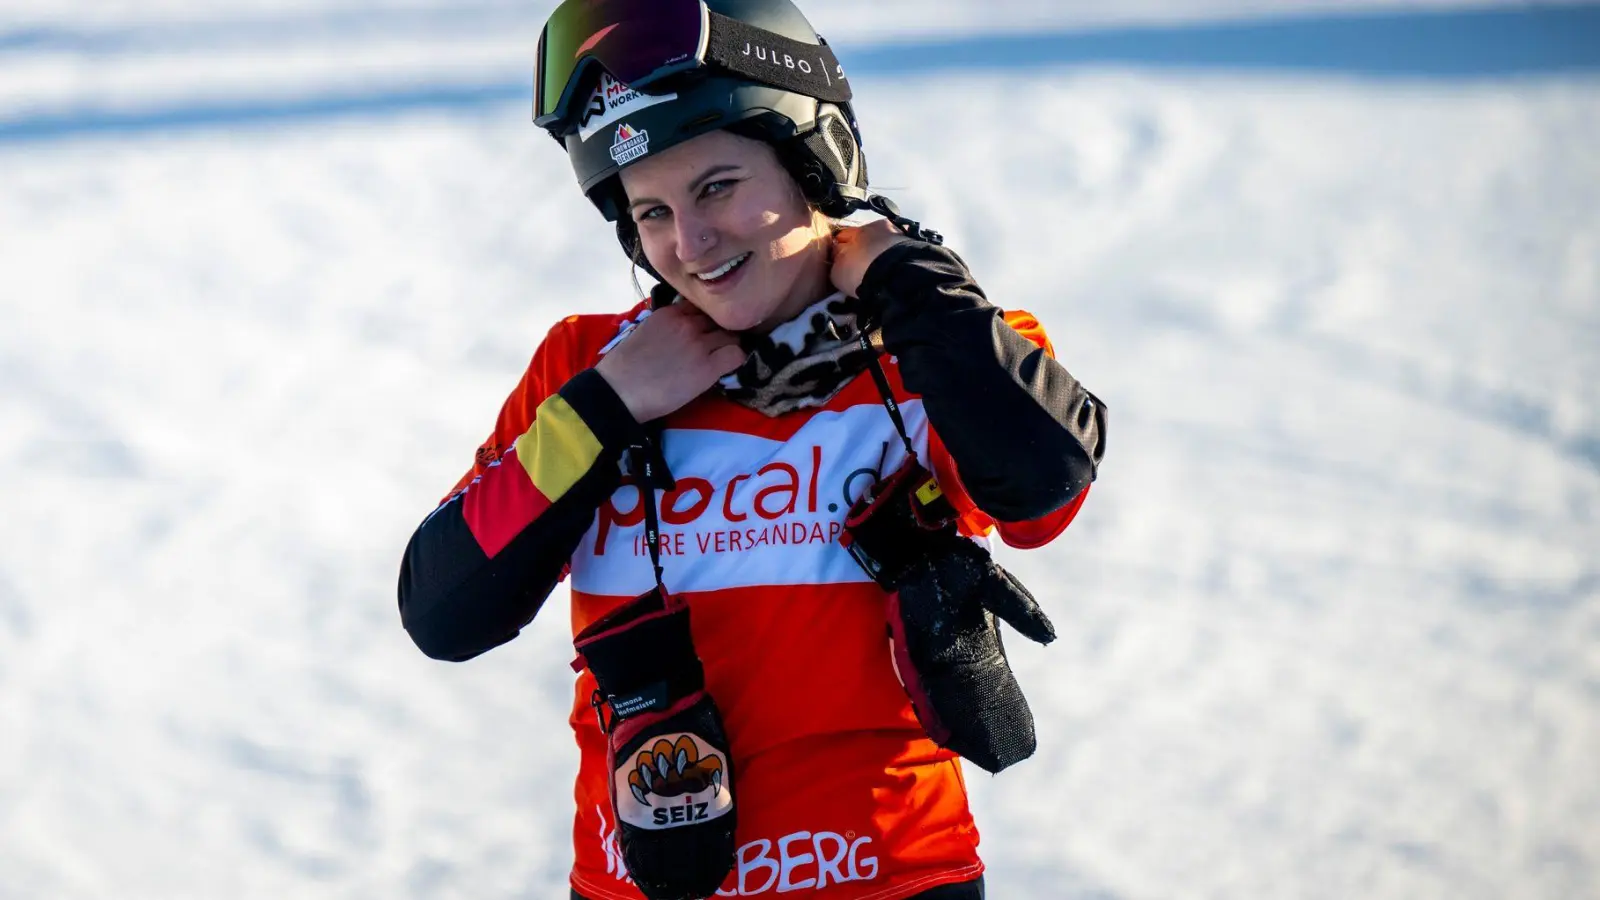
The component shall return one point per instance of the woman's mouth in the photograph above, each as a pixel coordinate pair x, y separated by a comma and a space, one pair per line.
721, 274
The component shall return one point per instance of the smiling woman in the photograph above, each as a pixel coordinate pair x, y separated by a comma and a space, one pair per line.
743, 516
722, 222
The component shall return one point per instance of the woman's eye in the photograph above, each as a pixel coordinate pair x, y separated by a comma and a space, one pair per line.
718, 187
654, 212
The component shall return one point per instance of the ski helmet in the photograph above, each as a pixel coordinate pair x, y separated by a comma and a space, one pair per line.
656, 73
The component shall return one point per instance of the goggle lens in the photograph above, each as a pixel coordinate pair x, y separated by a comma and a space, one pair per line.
637, 41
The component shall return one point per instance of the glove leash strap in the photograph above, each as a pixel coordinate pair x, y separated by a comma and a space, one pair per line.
650, 471
884, 391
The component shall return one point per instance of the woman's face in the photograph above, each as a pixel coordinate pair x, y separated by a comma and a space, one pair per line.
728, 229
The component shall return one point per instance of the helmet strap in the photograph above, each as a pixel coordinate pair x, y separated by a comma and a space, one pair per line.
855, 198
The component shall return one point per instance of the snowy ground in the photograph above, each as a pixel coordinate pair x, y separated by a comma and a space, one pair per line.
1331, 620
841, 18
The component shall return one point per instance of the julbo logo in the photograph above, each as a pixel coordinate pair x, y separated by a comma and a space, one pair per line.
788, 61
777, 58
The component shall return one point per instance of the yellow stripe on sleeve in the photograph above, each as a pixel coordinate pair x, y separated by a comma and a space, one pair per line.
558, 449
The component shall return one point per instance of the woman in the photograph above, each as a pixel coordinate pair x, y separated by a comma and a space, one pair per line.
702, 465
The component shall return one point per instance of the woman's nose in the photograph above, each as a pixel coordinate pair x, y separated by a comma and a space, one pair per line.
696, 238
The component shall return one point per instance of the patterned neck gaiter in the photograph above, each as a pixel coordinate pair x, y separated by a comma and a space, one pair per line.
801, 363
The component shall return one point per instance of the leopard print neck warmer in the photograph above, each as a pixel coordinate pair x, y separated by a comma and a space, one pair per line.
801, 363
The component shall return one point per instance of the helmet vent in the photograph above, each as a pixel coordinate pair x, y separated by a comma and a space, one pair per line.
844, 143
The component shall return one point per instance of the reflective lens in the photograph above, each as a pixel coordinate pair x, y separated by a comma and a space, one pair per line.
637, 41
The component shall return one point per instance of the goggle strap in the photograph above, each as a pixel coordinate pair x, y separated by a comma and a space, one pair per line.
770, 58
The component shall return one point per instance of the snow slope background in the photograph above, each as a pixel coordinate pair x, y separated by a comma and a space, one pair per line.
834, 18
1331, 621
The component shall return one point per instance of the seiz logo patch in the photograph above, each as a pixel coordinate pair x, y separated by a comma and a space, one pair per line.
748, 511
673, 781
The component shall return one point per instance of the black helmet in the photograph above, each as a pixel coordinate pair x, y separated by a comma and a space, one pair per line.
761, 71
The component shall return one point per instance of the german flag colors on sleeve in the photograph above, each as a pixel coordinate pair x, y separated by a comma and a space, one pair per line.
546, 461
480, 566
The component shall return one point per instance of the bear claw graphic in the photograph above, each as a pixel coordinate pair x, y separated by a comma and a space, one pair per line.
674, 768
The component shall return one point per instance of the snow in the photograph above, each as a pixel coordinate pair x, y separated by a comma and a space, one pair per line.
838, 19
1330, 618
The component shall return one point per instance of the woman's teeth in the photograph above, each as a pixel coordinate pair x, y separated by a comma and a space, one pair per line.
724, 269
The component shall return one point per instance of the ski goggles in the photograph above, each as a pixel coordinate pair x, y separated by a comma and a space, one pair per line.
639, 42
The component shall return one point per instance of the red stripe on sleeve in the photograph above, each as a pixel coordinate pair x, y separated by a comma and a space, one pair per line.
500, 503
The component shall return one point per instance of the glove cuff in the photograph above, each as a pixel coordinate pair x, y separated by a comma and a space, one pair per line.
901, 521
642, 656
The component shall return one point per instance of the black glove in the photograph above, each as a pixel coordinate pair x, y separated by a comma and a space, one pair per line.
944, 594
671, 772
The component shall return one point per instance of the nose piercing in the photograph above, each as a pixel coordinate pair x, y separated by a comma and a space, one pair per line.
704, 238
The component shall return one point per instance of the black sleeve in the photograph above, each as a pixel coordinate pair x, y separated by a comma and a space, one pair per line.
458, 600
1025, 435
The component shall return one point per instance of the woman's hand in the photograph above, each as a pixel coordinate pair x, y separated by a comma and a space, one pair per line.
854, 249
672, 357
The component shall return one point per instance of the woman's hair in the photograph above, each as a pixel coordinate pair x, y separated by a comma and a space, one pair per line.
634, 257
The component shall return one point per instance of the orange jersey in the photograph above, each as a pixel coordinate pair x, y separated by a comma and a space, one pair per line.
840, 794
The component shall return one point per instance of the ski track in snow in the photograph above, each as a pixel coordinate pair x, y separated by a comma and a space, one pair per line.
1329, 620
